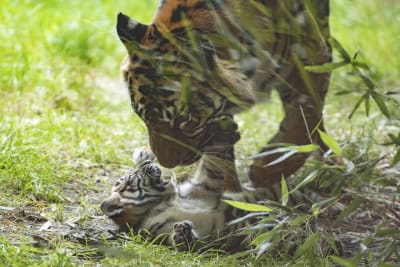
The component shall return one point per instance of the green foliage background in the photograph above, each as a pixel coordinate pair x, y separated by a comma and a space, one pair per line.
64, 115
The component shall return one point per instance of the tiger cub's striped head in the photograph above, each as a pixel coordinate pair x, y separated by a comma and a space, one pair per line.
167, 89
135, 194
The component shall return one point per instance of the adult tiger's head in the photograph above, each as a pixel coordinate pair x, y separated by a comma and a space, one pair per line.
134, 194
169, 79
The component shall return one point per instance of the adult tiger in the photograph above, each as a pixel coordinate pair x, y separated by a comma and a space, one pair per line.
181, 76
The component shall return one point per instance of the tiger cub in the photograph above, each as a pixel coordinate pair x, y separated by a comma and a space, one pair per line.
188, 213
179, 215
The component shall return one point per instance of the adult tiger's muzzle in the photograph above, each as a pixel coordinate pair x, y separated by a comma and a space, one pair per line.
172, 148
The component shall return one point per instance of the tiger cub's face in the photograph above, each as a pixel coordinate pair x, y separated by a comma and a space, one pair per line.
134, 194
173, 106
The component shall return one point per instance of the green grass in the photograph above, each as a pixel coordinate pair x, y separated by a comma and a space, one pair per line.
66, 124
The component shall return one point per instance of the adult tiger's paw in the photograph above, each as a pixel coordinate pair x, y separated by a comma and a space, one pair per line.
224, 130
183, 236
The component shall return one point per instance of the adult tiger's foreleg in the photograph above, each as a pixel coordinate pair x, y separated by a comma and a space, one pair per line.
218, 160
302, 92
303, 116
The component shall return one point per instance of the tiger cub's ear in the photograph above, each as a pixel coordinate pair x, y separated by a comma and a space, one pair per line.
130, 32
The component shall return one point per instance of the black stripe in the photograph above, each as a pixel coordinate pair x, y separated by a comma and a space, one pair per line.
206, 100
176, 14
130, 32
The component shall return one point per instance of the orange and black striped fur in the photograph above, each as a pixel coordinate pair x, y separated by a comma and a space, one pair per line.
202, 59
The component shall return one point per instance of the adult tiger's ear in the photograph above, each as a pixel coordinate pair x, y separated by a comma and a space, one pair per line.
130, 32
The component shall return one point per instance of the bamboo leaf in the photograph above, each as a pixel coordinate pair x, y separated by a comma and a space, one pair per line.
381, 104
392, 92
349, 209
288, 148
285, 192
359, 102
396, 158
394, 138
366, 103
248, 216
304, 148
310, 242
311, 177
318, 206
271, 152
300, 219
360, 65
330, 142
387, 232
262, 238
247, 206
264, 247
344, 262
331, 242
344, 92
335, 43
368, 82
355, 56
282, 158
327, 67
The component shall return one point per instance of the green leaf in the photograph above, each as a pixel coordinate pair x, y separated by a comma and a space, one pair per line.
360, 65
359, 102
330, 142
311, 177
304, 148
353, 262
335, 43
263, 247
395, 140
355, 55
392, 92
368, 82
307, 245
264, 237
289, 151
349, 209
396, 158
327, 67
282, 158
247, 206
387, 232
320, 205
300, 219
344, 92
379, 100
285, 192
246, 217
366, 103
331, 242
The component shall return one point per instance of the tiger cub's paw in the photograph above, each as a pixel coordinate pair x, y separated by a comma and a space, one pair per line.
141, 154
183, 236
